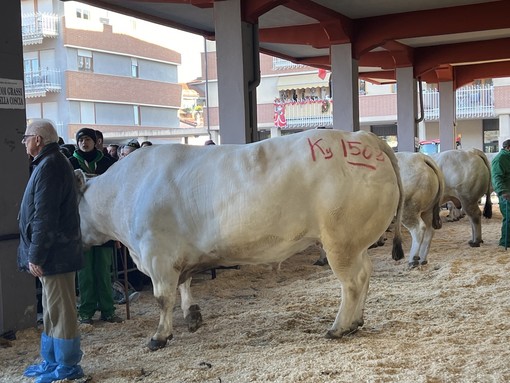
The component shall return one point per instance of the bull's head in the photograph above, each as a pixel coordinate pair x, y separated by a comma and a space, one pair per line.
81, 179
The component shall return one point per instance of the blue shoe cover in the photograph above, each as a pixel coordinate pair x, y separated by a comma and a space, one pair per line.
61, 373
49, 363
38, 369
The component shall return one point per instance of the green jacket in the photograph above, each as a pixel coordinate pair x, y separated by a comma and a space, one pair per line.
501, 172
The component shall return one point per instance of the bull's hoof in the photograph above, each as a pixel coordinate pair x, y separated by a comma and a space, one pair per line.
424, 263
355, 327
474, 244
413, 264
155, 344
332, 335
194, 318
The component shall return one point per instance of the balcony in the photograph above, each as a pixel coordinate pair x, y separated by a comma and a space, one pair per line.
474, 101
36, 26
39, 83
281, 64
303, 114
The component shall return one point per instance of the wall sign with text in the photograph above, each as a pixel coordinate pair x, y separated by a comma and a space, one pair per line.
12, 95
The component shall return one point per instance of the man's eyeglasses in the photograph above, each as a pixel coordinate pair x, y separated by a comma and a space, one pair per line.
25, 136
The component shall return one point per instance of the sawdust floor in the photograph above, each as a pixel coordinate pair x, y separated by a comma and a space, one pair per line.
448, 321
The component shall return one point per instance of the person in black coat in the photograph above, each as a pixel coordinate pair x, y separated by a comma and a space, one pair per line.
50, 249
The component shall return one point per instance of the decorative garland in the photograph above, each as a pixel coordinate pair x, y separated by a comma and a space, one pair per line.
325, 106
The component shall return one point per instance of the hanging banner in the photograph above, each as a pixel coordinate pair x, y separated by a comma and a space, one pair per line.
11, 94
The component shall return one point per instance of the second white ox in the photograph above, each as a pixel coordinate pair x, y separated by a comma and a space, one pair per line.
424, 185
467, 175
182, 209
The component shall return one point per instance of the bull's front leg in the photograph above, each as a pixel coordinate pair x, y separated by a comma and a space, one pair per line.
165, 291
190, 309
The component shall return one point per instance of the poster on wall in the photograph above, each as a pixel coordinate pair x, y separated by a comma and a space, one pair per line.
11, 94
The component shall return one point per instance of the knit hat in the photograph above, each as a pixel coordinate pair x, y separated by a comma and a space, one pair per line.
86, 132
133, 143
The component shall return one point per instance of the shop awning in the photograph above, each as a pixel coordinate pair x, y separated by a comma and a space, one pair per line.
302, 81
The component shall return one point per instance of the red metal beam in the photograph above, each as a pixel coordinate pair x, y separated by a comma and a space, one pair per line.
309, 34
466, 74
253, 9
429, 58
373, 32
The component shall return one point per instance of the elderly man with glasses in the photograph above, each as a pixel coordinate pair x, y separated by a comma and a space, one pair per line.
50, 249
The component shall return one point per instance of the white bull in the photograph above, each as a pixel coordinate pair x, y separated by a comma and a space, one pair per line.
424, 185
467, 175
181, 209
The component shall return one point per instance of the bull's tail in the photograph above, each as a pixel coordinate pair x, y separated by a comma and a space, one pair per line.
436, 219
397, 252
487, 209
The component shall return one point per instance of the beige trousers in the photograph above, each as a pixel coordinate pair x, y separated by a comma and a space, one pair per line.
59, 306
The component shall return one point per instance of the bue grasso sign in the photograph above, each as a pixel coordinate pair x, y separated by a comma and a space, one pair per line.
11, 94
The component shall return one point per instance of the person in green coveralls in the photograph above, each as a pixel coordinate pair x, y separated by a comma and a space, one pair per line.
94, 280
501, 184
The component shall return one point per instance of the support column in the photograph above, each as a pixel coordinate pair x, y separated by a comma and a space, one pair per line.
237, 52
345, 89
276, 132
18, 303
447, 115
406, 110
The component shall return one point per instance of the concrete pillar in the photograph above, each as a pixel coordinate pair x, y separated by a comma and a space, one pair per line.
276, 132
215, 136
237, 53
345, 89
406, 110
422, 131
447, 115
504, 128
18, 303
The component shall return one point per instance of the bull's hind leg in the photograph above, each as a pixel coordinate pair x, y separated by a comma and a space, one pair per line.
164, 280
190, 310
475, 218
354, 275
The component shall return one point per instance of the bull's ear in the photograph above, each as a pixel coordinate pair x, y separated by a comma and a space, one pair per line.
81, 181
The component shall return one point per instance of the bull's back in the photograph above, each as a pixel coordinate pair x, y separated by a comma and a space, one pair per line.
465, 173
282, 192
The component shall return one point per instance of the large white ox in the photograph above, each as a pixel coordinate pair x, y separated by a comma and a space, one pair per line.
181, 209
424, 185
467, 175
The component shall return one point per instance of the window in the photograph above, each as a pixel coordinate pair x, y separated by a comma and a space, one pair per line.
134, 67
82, 14
85, 60
362, 87
490, 136
136, 113
31, 71
388, 133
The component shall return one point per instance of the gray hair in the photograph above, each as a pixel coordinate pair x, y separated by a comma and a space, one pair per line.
43, 128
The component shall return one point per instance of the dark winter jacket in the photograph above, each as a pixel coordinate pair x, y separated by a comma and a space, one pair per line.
49, 220
94, 162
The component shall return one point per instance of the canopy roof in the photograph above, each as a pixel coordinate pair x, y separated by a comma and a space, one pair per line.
444, 40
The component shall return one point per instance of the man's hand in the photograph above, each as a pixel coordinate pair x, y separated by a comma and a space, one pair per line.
35, 270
